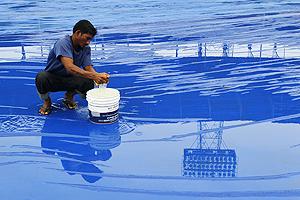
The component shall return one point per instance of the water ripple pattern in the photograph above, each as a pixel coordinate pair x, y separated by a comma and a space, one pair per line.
154, 22
20, 124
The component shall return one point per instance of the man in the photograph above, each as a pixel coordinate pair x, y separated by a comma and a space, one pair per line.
69, 68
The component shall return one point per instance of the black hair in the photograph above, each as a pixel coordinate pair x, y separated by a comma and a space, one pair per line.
85, 26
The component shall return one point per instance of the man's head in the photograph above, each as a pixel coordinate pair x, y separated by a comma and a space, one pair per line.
83, 33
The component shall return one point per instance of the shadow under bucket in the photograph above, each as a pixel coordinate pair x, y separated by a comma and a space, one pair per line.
103, 105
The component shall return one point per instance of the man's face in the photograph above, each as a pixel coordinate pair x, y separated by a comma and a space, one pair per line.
84, 39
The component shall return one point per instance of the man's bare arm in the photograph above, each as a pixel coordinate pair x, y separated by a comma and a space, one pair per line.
89, 73
90, 68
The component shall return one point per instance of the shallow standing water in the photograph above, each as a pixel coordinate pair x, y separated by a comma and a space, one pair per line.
190, 126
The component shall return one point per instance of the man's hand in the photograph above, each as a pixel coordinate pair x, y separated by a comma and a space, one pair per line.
101, 78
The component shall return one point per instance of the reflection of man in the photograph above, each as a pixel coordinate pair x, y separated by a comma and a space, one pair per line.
69, 68
79, 146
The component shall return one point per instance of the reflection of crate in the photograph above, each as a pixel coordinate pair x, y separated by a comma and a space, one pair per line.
200, 163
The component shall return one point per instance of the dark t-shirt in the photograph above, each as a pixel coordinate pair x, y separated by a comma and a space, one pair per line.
63, 47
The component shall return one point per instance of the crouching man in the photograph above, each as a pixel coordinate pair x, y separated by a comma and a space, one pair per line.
69, 68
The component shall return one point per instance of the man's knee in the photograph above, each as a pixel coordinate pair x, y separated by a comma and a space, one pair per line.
84, 86
41, 77
43, 82
90, 84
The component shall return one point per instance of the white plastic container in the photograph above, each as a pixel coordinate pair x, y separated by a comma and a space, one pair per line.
103, 105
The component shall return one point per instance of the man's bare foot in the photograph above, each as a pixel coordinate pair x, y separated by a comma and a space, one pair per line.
46, 108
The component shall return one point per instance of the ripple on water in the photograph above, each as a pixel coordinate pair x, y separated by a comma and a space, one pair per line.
20, 124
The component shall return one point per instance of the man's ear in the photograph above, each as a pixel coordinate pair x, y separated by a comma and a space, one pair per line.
77, 33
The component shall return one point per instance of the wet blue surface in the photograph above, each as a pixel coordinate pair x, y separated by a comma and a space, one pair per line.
189, 128
149, 21
225, 106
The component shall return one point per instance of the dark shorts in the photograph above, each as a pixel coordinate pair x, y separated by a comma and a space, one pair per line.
47, 82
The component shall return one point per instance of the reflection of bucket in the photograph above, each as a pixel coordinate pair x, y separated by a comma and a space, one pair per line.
104, 141
103, 105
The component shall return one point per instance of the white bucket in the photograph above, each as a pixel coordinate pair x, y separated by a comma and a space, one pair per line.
103, 105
